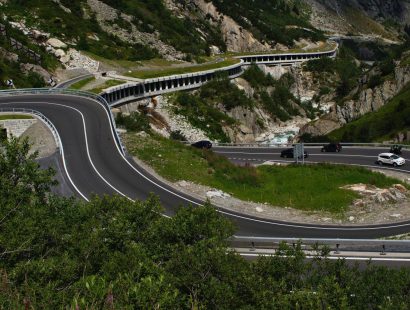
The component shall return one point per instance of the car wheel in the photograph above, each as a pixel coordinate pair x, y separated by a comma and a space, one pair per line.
394, 164
322, 150
379, 163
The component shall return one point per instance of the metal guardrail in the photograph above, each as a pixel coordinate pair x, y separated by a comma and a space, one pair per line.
48, 123
336, 245
281, 145
51, 91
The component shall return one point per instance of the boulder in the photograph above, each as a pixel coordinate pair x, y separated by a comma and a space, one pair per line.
59, 53
56, 43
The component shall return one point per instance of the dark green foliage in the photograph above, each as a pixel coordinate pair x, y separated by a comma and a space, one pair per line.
11, 70
3, 134
177, 135
382, 124
375, 80
321, 65
203, 115
280, 103
221, 90
257, 78
112, 253
136, 121
20, 177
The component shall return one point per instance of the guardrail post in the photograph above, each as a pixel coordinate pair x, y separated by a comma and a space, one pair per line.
383, 252
337, 248
253, 246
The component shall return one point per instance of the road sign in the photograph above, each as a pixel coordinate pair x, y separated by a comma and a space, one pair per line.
299, 153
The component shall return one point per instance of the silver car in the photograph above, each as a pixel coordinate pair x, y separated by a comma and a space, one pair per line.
390, 159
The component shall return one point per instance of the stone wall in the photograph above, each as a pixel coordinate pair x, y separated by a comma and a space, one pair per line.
16, 127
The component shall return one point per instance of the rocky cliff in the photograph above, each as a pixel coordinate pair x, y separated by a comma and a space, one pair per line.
368, 100
377, 18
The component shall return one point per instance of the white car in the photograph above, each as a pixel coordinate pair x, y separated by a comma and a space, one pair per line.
390, 159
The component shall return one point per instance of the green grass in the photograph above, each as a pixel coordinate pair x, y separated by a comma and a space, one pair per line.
82, 83
14, 116
109, 83
149, 74
309, 188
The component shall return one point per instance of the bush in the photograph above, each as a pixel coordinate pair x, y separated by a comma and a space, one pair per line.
134, 122
257, 78
177, 136
321, 65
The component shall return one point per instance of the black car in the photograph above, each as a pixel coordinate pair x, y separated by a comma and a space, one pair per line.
203, 144
288, 153
332, 147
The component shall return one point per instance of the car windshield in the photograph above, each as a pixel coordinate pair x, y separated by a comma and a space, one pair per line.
394, 157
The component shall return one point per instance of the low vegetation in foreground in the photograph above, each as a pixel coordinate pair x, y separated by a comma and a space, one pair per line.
310, 187
14, 116
112, 253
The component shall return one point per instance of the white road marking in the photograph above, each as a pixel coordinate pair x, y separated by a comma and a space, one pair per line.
221, 211
376, 259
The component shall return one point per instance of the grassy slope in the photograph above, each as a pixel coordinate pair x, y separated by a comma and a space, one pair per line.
14, 116
82, 83
308, 188
107, 84
149, 74
380, 125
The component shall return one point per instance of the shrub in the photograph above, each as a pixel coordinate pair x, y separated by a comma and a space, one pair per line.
177, 135
134, 122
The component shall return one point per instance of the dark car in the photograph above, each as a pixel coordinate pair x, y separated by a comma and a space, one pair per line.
203, 144
288, 153
332, 147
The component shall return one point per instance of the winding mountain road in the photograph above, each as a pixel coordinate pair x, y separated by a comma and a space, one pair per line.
94, 164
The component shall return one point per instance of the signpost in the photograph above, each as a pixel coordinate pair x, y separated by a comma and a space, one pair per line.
299, 153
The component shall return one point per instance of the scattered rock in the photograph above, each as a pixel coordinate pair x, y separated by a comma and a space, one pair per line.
183, 183
59, 53
373, 194
56, 43
351, 218
259, 209
216, 194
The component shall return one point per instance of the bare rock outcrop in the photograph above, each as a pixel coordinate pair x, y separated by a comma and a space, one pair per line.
369, 100
237, 39
371, 194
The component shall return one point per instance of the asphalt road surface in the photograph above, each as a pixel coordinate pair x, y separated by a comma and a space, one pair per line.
93, 163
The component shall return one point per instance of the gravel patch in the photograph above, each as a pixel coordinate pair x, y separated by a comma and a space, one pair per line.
41, 139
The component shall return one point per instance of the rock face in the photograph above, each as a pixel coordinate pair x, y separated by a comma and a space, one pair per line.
370, 100
236, 38
365, 17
